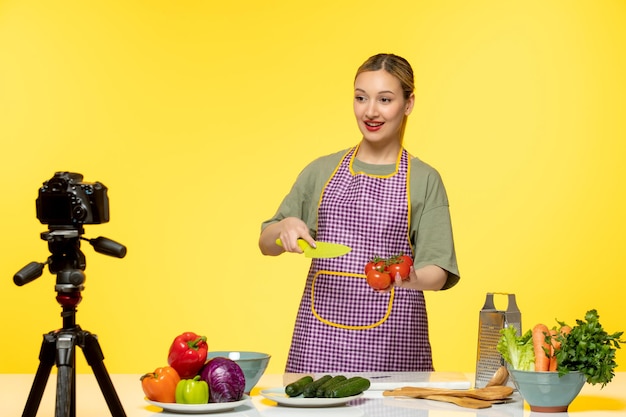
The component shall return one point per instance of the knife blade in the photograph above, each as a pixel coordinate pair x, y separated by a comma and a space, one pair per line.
322, 249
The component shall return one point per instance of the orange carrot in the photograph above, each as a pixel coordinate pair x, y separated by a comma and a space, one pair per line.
554, 344
540, 345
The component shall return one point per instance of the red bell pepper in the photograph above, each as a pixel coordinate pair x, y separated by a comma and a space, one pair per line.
188, 354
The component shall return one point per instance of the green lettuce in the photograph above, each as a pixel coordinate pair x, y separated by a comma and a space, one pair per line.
517, 351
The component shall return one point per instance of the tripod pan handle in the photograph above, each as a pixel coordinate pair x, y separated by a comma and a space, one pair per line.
29, 273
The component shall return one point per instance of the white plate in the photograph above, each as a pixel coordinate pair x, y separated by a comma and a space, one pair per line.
198, 408
278, 395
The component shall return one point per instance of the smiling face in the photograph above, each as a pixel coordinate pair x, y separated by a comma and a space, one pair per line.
380, 107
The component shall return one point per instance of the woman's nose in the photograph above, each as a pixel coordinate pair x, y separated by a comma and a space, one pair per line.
372, 110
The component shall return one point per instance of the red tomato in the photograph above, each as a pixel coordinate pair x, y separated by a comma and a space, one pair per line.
378, 280
406, 259
402, 268
375, 264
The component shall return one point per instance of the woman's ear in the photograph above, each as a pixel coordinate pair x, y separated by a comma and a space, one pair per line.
409, 105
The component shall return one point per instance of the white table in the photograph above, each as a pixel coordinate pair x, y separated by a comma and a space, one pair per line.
14, 389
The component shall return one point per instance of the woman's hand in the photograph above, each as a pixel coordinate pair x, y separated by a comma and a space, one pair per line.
291, 230
288, 230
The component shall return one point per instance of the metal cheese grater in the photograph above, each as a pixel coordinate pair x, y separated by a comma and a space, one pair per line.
491, 320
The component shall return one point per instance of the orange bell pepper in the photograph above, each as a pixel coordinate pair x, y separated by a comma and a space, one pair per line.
160, 385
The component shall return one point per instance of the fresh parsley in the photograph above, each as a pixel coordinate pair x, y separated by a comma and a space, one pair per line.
589, 349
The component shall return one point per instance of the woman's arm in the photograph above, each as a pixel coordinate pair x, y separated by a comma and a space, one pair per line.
427, 278
431, 229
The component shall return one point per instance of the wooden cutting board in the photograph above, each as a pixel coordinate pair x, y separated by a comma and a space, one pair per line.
381, 381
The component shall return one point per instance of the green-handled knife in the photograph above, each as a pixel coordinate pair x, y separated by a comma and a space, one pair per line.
323, 249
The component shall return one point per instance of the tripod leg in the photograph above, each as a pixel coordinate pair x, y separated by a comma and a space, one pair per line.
46, 361
93, 354
66, 375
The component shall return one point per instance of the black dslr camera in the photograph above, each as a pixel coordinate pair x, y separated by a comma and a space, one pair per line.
65, 200
66, 203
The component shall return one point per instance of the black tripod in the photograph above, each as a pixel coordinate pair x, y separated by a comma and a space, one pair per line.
59, 346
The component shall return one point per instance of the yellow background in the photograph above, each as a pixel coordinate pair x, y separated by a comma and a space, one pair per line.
198, 115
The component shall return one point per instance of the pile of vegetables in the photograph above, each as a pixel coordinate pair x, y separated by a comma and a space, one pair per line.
585, 347
327, 386
190, 378
381, 272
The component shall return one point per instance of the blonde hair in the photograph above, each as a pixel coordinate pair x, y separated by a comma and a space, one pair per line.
394, 65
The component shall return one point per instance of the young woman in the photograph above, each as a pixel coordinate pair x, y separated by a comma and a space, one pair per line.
380, 201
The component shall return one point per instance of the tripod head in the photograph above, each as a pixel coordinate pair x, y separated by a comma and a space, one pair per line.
66, 203
67, 260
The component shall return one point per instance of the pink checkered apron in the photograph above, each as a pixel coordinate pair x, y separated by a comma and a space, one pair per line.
343, 325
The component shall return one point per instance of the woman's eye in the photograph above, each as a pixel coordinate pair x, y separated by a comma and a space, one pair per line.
385, 100
359, 98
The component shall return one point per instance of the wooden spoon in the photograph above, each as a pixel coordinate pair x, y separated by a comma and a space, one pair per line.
487, 393
460, 401
500, 377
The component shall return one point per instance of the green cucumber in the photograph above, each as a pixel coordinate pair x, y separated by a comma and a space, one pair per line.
311, 389
326, 387
350, 387
297, 387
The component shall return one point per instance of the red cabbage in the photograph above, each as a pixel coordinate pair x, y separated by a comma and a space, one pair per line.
225, 378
